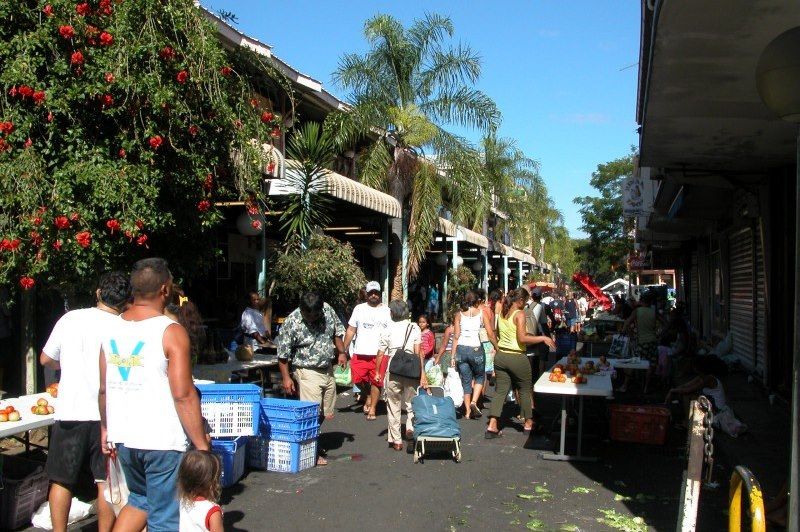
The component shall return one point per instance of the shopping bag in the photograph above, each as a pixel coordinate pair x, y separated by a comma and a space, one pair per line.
77, 510
619, 346
453, 388
342, 375
434, 375
116, 491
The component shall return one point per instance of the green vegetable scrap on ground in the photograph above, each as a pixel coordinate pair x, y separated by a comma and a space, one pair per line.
618, 521
535, 524
581, 489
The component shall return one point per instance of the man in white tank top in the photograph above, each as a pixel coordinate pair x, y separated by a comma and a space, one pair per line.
148, 402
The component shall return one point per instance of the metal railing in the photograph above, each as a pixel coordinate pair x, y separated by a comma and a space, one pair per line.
742, 476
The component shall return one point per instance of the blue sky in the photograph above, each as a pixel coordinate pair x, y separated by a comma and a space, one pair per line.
556, 69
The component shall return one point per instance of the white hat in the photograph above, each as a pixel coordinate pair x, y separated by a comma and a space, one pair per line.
373, 285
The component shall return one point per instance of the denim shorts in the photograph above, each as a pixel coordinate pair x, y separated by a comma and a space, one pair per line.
471, 362
152, 478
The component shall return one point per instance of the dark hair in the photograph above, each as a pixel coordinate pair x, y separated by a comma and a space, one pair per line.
148, 276
470, 300
198, 476
536, 295
398, 309
311, 302
496, 295
481, 293
250, 294
648, 298
189, 316
520, 294
115, 289
427, 318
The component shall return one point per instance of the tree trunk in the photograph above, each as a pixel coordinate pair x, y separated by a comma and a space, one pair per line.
28, 343
399, 187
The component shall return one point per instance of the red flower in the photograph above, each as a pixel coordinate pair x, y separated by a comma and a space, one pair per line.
48, 10
122, 153
77, 58
12, 91
270, 168
83, 9
113, 225
140, 224
253, 102
142, 241
92, 31
225, 71
194, 130
276, 132
57, 245
36, 238
37, 221
5, 244
61, 222
267, 117
6, 127
28, 143
25, 91
256, 225
84, 239
204, 205
38, 97
49, 117
66, 31
74, 216
107, 100
105, 7
129, 235
182, 76
109, 77
26, 282
4, 145
167, 53
106, 39
208, 184
156, 141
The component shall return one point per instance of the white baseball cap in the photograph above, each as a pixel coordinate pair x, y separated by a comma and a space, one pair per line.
373, 285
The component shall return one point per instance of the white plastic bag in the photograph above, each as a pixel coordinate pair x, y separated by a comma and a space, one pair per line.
453, 388
434, 375
619, 346
116, 489
78, 510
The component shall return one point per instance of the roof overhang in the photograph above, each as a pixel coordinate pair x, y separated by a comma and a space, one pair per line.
448, 228
698, 105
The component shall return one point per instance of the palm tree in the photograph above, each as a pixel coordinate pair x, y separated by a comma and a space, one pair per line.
404, 91
310, 151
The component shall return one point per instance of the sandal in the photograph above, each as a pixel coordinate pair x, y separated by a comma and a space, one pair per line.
490, 434
321, 461
476, 412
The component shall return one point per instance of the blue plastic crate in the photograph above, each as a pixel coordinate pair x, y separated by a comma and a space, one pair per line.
232, 453
278, 424
289, 409
231, 409
291, 457
291, 435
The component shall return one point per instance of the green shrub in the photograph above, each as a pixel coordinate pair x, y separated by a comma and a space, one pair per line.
459, 282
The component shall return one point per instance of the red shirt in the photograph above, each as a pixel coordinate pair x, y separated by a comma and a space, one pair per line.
428, 343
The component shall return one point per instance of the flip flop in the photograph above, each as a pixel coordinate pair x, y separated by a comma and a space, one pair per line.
321, 461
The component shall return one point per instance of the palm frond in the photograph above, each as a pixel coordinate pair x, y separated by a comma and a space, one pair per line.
426, 33
463, 106
449, 69
427, 197
374, 165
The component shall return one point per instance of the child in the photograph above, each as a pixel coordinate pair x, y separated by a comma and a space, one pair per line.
428, 345
604, 366
198, 491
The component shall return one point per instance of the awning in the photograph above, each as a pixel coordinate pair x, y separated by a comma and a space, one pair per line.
446, 227
352, 191
345, 189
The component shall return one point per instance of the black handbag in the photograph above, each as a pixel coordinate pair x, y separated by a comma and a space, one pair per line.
405, 363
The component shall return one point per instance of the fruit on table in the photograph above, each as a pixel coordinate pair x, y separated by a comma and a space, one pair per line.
579, 379
41, 402
42, 408
14, 416
9, 413
53, 389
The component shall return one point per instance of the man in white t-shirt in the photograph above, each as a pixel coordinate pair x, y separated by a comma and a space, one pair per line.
149, 407
252, 323
368, 322
583, 309
75, 437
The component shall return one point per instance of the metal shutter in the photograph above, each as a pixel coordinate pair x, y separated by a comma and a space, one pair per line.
761, 315
742, 305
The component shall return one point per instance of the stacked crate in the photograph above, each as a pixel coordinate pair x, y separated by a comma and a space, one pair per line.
232, 412
287, 436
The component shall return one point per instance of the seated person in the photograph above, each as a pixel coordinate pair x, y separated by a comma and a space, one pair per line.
252, 323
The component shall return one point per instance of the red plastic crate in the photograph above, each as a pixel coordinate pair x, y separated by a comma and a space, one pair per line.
639, 424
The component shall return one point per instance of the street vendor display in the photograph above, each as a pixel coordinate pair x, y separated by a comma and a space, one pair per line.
27, 415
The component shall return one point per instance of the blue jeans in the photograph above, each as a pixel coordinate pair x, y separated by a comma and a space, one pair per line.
471, 363
152, 478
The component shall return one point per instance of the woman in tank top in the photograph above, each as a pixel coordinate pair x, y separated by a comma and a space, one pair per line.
467, 350
511, 366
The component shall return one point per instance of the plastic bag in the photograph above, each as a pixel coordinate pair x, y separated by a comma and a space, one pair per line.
342, 375
726, 421
434, 375
619, 346
116, 490
78, 510
453, 388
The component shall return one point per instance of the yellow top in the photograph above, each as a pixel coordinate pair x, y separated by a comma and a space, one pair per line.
508, 335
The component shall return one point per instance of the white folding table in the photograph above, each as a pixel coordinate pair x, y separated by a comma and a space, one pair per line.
28, 420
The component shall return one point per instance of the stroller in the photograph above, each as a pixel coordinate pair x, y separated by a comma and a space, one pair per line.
436, 428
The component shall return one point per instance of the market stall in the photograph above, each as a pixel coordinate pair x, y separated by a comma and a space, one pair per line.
28, 420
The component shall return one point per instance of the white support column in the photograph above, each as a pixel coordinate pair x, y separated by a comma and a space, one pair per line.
455, 250
505, 274
486, 271
519, 273
404, 241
